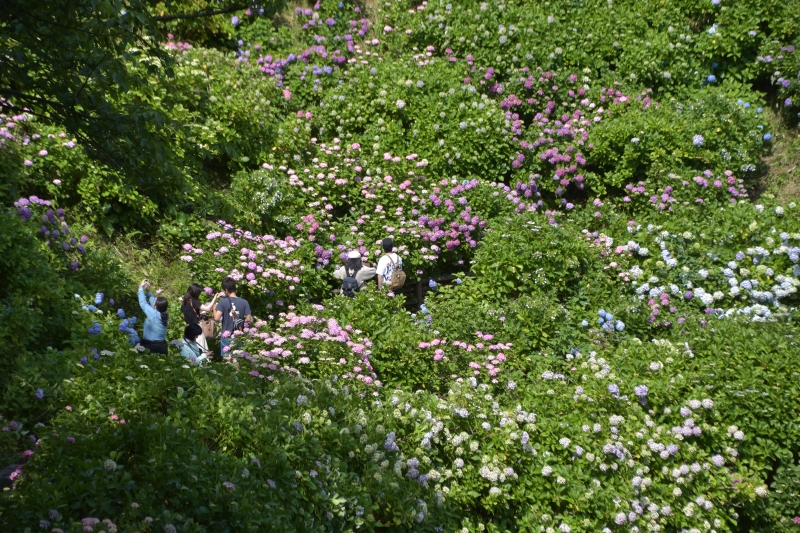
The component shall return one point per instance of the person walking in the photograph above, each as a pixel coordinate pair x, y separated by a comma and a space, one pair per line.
387, 265
154, 334
233, 312
353, 274
191, 308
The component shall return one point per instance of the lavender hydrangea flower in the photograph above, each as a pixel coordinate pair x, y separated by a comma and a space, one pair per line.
698, 140
390, 445
39, 393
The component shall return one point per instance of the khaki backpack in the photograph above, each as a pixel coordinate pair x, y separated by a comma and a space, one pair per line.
398, 278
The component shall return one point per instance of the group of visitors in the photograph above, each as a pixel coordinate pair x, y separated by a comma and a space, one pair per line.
233, 312
354, 273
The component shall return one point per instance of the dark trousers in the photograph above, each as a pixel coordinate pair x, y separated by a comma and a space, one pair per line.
155, 346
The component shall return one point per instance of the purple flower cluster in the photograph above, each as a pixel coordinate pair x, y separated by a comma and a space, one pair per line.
54, 228
723, 188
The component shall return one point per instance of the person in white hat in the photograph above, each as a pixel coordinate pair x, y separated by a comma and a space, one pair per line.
353, 267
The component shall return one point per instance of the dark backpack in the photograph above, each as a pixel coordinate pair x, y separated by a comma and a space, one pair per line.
238, 321
350, 284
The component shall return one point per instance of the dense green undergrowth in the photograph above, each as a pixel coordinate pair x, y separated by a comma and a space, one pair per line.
599, 329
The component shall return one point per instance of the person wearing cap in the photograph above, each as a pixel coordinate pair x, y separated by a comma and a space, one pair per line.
355, 268
387, 263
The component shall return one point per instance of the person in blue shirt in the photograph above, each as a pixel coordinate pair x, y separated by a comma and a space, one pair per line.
154, 335
190, 348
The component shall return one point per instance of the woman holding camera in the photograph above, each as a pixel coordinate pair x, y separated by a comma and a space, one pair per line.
192, 308
154, 335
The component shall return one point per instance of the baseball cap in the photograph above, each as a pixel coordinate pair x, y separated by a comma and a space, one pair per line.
354, 254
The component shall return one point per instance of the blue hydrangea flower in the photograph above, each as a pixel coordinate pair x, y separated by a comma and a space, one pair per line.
619, 326
711, 78
584, 323
98, 298
458, 281
432, 284
235, 20
91, 308
767, 137
600, 320
698, 140
39, 393
121, 313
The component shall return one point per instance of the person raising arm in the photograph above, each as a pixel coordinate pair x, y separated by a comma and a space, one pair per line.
154, 334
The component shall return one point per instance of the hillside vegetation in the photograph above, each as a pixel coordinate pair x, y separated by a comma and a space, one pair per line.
595, 203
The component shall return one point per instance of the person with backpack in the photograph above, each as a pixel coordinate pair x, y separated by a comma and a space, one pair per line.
190, 347
353, 274
154, 334
233, 312
390, 267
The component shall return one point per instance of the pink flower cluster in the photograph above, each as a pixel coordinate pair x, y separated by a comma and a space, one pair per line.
263, 262
290, 346
492, 353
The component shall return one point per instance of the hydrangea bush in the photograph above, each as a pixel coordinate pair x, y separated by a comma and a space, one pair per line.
603, 335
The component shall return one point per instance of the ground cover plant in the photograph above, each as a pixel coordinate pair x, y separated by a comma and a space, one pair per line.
599, 327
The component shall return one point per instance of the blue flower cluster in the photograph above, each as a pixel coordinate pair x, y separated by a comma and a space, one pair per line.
98, 298
126, 326
608, 323
95, 329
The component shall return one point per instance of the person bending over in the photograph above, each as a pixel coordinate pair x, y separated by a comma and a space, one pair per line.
191, 348
353, 274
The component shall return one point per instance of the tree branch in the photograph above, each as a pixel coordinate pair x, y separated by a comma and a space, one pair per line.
202, 13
